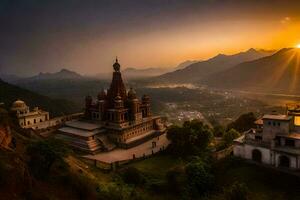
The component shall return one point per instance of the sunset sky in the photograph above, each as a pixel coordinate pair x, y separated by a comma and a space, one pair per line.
85, 36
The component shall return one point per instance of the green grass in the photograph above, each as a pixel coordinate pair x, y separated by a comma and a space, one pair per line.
263, 183
157, 166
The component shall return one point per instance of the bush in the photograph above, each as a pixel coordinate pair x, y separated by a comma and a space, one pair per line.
176, 179
237, 191
199, 178
43, 154
229, 136
132, 175
114, 191
218, 131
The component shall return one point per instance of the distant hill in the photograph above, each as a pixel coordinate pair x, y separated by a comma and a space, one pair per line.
10, 93
185, 64
62, 74
130, 73
199, 70
279, 72
10, 77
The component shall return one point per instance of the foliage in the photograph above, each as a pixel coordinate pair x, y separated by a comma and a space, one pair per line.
115, 191
82, 186
43, 154
227, 139
237, 191
200, 180
243, 123
132, 175
176, 179
229, 136
218, 131
192, 138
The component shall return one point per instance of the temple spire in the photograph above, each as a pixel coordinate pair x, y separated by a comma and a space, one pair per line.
116, 65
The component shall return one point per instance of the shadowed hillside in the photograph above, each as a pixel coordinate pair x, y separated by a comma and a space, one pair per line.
277, 73
199, 70
10, 93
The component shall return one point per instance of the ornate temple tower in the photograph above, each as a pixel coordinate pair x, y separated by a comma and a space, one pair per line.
146, 106
134, 106
117, 87
102, 104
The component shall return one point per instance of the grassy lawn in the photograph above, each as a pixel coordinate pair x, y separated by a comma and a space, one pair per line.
158, 165
263, 183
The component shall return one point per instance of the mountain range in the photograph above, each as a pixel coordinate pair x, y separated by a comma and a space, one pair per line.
62, 74
199, 70
279, 72
10, 93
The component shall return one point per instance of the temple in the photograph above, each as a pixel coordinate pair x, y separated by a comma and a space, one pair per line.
117, 118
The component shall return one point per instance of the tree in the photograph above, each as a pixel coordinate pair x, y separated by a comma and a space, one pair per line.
243, 123
229, 136
237, 191
199, 178
218, 131
190, 139
176, 179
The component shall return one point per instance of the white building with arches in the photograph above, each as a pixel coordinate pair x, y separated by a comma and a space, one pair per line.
275, 141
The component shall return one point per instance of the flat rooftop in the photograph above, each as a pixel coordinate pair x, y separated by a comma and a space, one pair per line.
293, 135
278, 117
80, 132
83, 125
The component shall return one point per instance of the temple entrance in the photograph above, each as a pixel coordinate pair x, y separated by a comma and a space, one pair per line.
284, 161
256, 155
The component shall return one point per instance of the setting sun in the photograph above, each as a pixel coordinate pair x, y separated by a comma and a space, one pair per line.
298, 46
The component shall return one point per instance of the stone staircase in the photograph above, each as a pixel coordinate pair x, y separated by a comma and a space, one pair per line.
106, 143
90, 146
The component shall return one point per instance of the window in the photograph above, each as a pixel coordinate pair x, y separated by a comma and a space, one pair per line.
290, 143
257, 137
269, 123
278, 123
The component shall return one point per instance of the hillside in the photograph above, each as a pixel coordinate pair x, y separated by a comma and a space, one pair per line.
62, 74
199, 70
277, 73
10, 93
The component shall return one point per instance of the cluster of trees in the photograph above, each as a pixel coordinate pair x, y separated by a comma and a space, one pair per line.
234, 129
193, 138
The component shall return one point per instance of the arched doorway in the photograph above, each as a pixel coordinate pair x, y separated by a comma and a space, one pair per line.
256, 155
284, 161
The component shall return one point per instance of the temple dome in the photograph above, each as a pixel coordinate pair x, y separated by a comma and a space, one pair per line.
19, 104
102, 95
131, 94
145, 97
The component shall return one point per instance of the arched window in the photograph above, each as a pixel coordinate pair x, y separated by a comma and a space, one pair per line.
284, 161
